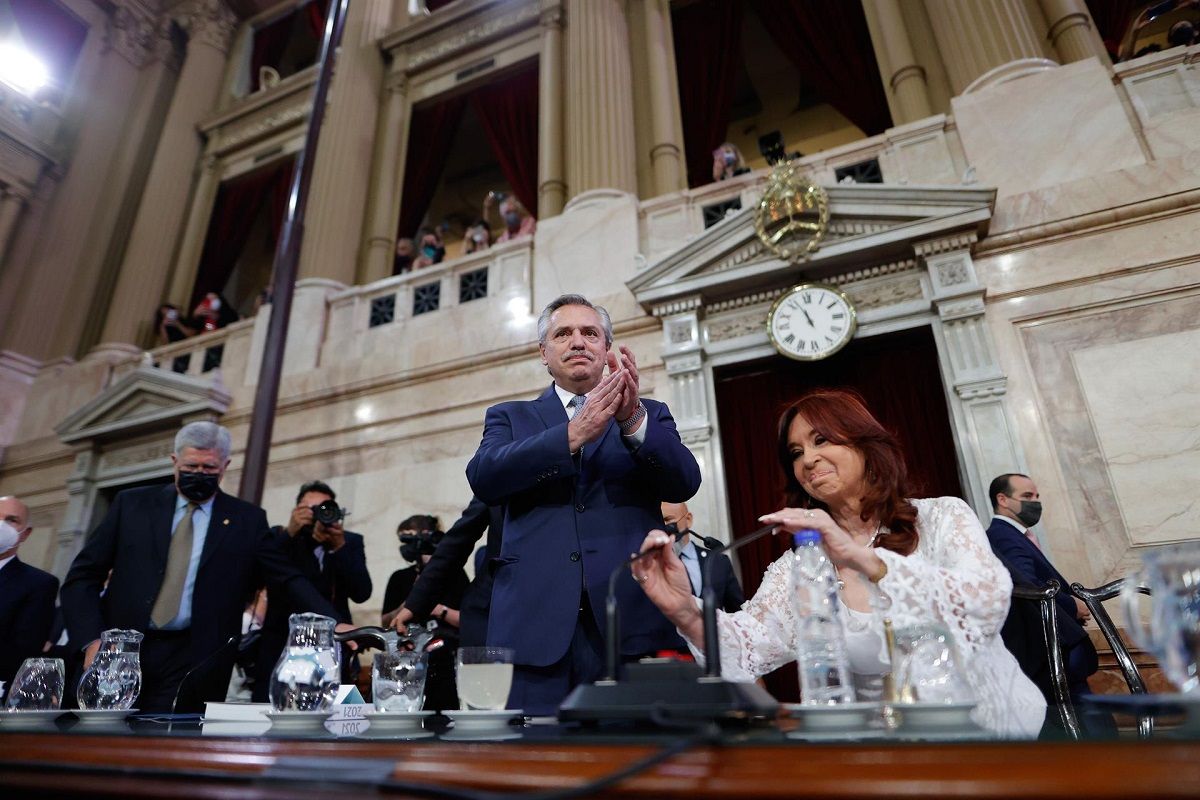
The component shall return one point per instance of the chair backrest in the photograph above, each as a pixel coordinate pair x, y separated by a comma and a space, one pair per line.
1044, 597
1094, 600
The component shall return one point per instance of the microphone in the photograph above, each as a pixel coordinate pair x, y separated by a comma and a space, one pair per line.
708, 599
204, 663
670, 691
612, 616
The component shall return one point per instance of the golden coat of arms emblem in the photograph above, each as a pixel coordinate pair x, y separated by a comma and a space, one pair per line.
793, 214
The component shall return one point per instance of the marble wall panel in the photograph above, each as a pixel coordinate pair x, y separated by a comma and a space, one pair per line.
1141, 396
1046, 128
1085, 256
1075, 435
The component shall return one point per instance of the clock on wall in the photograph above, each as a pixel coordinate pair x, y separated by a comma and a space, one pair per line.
811, 321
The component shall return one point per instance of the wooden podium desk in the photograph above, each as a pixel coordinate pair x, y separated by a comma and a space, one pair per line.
758, 764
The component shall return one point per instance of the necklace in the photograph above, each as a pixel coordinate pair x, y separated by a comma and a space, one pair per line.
841, 584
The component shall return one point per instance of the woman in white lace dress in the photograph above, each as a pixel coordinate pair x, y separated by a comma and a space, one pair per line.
927, 561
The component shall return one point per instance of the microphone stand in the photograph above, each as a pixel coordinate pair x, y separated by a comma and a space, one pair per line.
667, 692
204, 663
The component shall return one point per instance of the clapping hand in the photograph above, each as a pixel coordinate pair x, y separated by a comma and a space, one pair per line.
627, 365
590, 422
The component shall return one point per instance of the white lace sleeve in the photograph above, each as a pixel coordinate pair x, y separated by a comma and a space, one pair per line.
760, 637
952, 579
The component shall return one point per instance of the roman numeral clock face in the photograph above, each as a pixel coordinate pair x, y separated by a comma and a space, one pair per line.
811, 322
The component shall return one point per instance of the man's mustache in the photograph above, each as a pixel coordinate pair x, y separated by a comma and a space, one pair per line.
575, 353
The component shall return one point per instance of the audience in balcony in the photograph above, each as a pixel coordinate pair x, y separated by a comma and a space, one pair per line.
405, 251
169, 326
727, 162
432, 250
213, 312
1182, 34
518, 222
477, 237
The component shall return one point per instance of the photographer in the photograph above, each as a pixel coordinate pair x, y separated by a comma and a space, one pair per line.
419, 537
333, 558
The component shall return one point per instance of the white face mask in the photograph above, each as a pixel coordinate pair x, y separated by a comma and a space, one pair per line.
9, 536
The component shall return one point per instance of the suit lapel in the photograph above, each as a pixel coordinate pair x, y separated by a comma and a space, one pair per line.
217, 529
163, 519
550, 408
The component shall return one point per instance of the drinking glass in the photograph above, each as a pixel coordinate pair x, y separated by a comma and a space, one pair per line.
1172, 634
484, 676
398, 680
38, 685
927, 669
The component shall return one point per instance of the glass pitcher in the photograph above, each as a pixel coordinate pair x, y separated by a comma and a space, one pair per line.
1172, 634
308, 673
114, 679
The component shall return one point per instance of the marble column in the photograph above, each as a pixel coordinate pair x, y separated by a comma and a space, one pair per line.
119, 68
142, 282
187, 259
984, 431
10, 208
977, 37
600, 141
383, 205
684, 359
666, 153
337, 204
1072, 31
552, 190
901, 71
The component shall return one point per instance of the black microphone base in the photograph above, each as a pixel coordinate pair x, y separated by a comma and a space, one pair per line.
650, 701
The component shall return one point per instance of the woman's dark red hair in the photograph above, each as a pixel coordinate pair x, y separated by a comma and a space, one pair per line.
842, 418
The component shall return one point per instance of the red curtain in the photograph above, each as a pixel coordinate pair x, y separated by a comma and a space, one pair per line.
1112, 18
830, 44
50, 31
270, 42
508, 110
431, 134
314, 13
708, 53
897, 375
239, 202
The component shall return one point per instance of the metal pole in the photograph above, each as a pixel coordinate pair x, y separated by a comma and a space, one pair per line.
287, 258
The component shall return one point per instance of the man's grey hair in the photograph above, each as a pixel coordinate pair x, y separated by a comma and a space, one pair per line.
573, 300
204, 436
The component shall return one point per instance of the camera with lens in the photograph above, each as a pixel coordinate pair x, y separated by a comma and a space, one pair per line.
415, 545
328, 513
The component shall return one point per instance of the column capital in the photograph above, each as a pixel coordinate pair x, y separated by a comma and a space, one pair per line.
209, 22
552, 16
138, 34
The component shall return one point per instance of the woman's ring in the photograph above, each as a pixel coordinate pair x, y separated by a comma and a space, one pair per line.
808, 512
640, 578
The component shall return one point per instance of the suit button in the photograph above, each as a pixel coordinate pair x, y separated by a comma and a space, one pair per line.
579, 507
575, 556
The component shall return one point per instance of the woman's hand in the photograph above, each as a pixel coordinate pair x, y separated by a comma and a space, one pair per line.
664, 579
843, 551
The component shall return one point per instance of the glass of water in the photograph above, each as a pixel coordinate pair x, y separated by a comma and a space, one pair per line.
398, 680
38, 685
484, 676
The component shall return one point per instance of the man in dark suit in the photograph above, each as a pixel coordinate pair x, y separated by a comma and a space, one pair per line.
580, 473
439, 574
677, 517
184, 559
1017, 507
332, 558
26, 594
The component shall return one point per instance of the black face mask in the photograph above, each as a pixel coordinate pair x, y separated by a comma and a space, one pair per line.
1030, 513
197, 486
673, 529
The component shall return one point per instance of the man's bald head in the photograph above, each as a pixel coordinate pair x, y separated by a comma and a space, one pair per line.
677, 513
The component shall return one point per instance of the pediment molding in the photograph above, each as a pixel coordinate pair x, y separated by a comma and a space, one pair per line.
874, 229
145, 400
